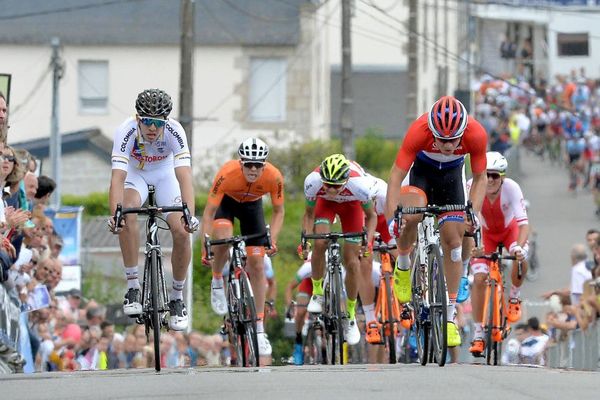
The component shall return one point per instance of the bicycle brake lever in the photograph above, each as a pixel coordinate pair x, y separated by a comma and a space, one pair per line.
207, 248
187, 218
118, 216
269, 242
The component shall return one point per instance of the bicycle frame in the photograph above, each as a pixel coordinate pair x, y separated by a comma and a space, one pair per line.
496, 326
387, 308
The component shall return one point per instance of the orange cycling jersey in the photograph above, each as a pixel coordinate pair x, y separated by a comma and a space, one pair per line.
230, 181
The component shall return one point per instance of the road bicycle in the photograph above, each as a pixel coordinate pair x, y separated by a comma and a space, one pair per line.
240, 321
387, 308
429, 294
496, 326
155, 299
334, 312
314, 348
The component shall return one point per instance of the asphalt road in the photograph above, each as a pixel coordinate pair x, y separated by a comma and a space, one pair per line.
347, 382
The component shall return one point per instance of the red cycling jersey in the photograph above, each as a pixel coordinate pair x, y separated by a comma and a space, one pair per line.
418, 142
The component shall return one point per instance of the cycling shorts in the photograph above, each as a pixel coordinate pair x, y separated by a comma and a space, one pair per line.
305, 287
250, 214
164, 181
508, 237
442, 186
350, 212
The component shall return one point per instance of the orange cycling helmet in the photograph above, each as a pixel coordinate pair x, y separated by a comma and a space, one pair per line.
447, 118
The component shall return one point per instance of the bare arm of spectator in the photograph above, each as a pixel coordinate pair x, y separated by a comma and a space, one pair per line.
563, 291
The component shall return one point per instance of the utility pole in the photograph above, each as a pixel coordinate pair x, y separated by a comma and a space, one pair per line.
55, 138
186, 111
413, 63
186, 81
347, 110
470, 39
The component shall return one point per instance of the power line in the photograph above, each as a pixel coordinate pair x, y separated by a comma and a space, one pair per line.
66, 9
36, 87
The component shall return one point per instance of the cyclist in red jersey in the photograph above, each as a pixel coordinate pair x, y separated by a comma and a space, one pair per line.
432, 157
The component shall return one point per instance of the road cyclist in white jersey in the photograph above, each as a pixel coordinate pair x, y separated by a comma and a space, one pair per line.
504, 221
152, 149
340, 188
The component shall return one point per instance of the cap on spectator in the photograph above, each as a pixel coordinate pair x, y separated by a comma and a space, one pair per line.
75, 293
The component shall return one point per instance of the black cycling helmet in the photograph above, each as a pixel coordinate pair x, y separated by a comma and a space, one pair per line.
153, 103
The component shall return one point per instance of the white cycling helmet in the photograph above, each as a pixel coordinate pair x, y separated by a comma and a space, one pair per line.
496, 162
253, 149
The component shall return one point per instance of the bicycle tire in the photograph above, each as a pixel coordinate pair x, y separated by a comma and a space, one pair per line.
419, 289
338, 315
155, 317
489, 323
328, 325
314, 350
439, 306
248, 315
232, 323
390, 320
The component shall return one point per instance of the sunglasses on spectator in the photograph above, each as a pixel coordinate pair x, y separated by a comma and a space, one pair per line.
5, 157
494, 176
250, 165
157, 122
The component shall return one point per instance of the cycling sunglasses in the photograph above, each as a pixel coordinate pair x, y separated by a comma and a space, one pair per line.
333, 185
159, 123
493, 176
250, 165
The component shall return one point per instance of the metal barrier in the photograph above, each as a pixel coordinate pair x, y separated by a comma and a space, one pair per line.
580, 350
10, 360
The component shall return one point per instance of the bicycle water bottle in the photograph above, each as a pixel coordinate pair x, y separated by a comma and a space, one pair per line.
463, 290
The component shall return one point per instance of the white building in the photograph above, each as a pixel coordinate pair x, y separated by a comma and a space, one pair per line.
261, 69
564, 36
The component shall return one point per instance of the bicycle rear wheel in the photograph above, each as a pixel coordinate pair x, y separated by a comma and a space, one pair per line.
438, 306
155, 315
389, 322
249, 337
422, 324
313, 353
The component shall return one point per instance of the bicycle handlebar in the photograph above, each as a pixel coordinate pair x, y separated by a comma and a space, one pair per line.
235, 240
333, 236
152, 210
382, 247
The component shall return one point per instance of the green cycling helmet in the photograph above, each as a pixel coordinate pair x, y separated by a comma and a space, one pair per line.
335, 169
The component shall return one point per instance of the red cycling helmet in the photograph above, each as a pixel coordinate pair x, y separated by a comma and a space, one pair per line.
447, 118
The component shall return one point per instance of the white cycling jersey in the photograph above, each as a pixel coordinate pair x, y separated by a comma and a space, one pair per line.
378, 194
358, 186
508, 206
169, 149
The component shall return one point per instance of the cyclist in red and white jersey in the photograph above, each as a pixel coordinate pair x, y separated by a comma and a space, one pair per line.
152, 149
338, 187
504, 220
432, 157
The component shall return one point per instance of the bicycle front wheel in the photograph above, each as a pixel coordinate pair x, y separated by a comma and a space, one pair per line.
389, 322
422, 323
248, 314
490, 344
338, 332
155, 313
438, 306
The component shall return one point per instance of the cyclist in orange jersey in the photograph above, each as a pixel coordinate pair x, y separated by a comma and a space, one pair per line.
237, 192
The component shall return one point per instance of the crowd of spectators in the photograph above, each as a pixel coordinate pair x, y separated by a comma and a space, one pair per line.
559, 122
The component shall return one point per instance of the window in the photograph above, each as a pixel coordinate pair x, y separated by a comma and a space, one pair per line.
267, 93
572, 44
93, 86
